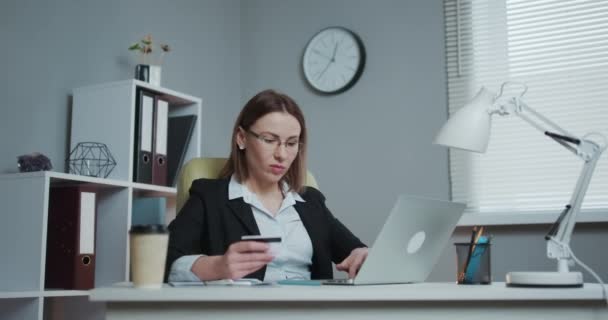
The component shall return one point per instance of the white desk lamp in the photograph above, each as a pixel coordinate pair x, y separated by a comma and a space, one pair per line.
469, 129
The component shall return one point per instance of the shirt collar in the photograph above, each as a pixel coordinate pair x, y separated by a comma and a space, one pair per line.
238, 190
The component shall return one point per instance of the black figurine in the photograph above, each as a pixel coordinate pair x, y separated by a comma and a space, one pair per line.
33, 162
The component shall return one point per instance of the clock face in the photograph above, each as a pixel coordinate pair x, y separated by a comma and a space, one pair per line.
333, 60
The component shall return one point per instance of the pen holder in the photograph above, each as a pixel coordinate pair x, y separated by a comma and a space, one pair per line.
473, 261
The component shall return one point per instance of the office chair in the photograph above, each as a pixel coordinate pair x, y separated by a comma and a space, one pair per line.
209, 168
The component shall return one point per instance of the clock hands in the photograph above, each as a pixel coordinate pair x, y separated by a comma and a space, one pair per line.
322, 72
321, 54
333, 56
332, 60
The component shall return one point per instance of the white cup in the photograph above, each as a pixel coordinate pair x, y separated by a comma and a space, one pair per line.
148, 245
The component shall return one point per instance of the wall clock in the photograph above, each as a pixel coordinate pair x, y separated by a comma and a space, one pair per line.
333, 60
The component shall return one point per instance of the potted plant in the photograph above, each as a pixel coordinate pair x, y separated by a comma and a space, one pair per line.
149, 67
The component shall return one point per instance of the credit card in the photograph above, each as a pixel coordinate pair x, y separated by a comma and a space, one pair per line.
261, 238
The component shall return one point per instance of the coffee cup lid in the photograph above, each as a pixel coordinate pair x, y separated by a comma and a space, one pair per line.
148, 229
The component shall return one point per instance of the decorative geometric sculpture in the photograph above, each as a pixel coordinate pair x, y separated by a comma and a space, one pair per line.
91, 159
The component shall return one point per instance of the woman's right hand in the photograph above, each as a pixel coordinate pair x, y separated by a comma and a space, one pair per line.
241, 259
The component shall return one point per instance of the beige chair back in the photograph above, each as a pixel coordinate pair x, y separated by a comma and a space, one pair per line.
209, 168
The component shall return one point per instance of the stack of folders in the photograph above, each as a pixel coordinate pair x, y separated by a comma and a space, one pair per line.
150, 159
161, 141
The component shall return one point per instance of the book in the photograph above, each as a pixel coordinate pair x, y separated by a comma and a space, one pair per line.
179, 134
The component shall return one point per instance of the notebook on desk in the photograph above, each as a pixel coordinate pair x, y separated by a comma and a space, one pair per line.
410, 242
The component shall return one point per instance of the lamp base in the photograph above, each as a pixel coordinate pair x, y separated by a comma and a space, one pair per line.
544, 279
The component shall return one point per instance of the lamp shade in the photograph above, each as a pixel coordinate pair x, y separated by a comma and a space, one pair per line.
469, 127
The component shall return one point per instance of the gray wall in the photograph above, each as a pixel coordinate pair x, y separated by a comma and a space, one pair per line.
366, 145
372, 142
51, 47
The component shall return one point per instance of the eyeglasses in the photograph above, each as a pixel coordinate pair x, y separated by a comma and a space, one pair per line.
272, 141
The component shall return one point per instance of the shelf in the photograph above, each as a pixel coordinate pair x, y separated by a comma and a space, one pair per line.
103, 113
153, 190
66, 178
65, 293
172, 96
45, 293
98, 108
60, 178
19, 294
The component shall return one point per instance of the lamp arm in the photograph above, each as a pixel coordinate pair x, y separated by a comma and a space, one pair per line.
523, 107
567, 226
520, 109
589, 151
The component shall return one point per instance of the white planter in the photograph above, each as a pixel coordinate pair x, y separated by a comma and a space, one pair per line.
149, 73
155, 75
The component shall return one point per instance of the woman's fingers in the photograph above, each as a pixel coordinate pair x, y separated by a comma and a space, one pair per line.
249, 246
360, 256
249, 251
245, 257
240, 270
252, 257
345, 264
353, 262
355, 266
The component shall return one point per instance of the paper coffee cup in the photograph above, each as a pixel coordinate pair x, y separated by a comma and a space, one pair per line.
148, 245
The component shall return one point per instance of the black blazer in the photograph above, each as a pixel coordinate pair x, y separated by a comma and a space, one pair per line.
209, 223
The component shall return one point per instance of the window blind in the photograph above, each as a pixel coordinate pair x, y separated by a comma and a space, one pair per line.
559, 49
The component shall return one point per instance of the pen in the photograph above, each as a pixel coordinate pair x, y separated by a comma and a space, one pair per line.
479, 232
475, 235
466, 263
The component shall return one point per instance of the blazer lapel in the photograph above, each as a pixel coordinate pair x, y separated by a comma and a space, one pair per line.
306, 213
243, 212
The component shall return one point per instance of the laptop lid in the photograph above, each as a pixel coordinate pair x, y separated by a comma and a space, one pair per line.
411, 241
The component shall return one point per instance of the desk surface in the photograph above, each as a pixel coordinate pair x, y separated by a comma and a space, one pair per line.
497, 291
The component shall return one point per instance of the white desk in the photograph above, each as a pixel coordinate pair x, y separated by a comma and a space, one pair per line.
410, 301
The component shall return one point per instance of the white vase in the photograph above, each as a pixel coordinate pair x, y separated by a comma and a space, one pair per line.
155, 75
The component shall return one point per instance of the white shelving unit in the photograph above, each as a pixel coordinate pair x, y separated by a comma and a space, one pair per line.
102, 113
106, 113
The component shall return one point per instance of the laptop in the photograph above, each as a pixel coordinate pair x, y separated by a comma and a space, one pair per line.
410, 242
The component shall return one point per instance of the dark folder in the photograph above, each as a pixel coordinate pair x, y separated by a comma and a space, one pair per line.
144, 126
159, 149
180, 132
70, 251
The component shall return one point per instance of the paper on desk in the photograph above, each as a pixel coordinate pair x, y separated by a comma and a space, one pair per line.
223, 282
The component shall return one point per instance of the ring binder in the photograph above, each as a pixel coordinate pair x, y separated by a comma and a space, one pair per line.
70, 259
159, 150
144, 125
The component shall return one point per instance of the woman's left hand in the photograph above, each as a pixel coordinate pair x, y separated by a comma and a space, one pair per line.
353, 262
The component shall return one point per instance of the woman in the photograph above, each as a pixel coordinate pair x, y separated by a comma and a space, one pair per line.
261, 191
